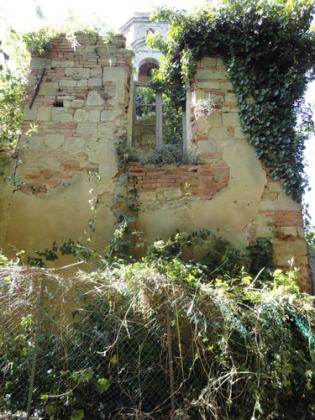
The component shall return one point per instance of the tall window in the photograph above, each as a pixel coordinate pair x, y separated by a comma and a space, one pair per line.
156, 121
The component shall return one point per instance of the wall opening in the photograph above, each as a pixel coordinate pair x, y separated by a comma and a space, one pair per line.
156, 121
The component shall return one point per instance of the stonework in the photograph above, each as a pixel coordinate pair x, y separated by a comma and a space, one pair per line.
82, 111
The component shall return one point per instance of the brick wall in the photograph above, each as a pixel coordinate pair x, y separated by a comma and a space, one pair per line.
69, 161
218, 129
199, 181
82, 99
69, 164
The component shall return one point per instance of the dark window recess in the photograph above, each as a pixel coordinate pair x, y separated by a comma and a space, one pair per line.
58, 103
145, 71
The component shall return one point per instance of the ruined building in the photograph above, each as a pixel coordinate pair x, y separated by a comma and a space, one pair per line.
67, 172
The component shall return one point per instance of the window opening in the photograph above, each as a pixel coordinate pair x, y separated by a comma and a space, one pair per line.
156, 121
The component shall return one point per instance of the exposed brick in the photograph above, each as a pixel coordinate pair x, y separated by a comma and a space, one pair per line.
203, 180
284, 217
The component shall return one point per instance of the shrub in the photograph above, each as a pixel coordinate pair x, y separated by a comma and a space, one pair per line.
159, 337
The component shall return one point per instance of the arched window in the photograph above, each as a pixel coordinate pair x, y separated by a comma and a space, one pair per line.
145, 70
155, 120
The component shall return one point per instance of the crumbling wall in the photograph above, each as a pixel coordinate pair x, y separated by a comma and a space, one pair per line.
229, 191
67, 174
68, 164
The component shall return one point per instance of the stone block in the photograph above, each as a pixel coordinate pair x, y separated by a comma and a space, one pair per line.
112, 74
204, 75
96, 73
171, 193
295, 248
94, 116
220, 64
218, 133
77, 103
209, 62
82, 83
33, 143
263, 231
67, 83
67, 104
238, 133
110, 90
54, 141
209, 146
38, 63
48, 88
147, 197
81, 115
44, 114
215, 75
287, 232
108, 115
29, 114
207, 84
226, 85
231, 119
61, 115
215, 120
94, 99
77, 73
74, 144
95, 82
230, 97
62, 63
274, 186
86, 130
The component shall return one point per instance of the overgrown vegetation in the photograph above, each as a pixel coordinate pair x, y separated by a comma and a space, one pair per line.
40, 42
310, 238
269, 51
170, 154
12, 85
162, 336
165, 155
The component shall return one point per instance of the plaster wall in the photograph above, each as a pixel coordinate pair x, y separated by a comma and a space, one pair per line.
64, 175
229, 191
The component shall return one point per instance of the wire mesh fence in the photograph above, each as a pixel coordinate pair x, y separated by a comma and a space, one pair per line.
133, 342
69, 350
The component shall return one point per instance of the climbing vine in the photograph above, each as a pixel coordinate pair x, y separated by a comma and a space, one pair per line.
269, 51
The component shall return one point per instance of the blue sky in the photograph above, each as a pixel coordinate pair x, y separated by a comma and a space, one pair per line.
22, 16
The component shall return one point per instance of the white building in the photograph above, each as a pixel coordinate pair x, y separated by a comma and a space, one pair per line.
135, 30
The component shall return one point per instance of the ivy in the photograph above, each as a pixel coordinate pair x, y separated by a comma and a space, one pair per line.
269, 51
13, 79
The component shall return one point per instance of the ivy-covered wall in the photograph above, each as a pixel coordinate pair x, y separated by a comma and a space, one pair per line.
71, 179
229, 191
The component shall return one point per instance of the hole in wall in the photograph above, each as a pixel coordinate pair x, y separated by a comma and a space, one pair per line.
58, 103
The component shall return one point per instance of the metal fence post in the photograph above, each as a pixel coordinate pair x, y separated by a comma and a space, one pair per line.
35, 351
170, 361
159, 121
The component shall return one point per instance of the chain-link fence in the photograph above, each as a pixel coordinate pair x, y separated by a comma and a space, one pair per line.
70, 349
135, 342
